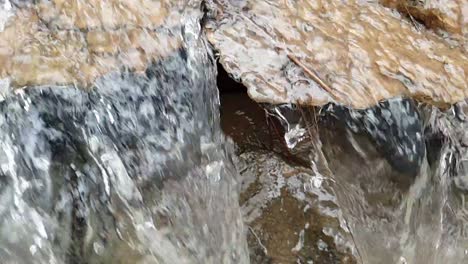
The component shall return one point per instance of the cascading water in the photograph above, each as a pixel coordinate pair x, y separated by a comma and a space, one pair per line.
392, 214
134, 171
137, 170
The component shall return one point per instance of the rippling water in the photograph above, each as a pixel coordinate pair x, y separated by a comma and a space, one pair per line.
134, 171
395, 166
112, 149
392, 214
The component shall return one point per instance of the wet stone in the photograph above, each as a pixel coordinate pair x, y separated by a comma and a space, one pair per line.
76, 42
286, 224
353, 53
449, 15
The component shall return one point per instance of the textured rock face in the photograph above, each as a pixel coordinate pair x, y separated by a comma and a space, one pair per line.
107, 14
448, 15
75, 42
351, 52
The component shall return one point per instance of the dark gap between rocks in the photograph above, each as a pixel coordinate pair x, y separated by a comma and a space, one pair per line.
284, 218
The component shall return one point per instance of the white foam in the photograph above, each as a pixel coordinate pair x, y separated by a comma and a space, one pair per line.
4, 83
6, 11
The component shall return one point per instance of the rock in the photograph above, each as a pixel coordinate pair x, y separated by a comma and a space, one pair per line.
289, 218
92, 14
353, 53
447, 15
461, 179
75, 42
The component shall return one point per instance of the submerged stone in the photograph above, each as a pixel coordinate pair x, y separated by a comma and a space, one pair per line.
289, 219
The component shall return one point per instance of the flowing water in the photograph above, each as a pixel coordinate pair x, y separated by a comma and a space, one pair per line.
396, 217
391, 213
137, 168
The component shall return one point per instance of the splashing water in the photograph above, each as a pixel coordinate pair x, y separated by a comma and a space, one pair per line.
390, 213
137, 170
134, 171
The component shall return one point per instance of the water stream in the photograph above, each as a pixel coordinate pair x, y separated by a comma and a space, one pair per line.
395, 216
143, 167
136, 170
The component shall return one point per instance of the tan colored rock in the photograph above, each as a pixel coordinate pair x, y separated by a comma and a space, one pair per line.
349, 52
75, 42
28, 56
109, 14
449, 15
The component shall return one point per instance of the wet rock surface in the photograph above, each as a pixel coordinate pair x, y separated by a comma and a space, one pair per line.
442, 16
353, 53
356, 180
282, 211
75, 42
136, 169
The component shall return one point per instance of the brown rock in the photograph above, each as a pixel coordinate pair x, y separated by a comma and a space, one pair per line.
449, 15
109, 14
47, 43
350, 52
